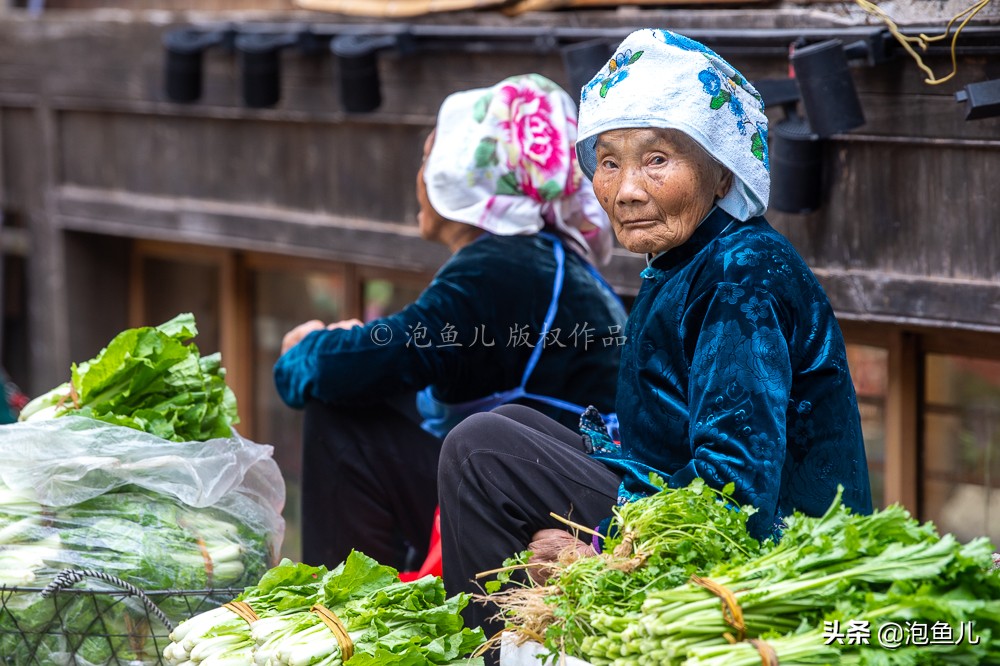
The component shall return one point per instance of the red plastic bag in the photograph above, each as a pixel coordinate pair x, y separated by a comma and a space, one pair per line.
432, 563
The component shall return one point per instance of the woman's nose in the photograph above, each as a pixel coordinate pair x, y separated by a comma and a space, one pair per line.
632, 187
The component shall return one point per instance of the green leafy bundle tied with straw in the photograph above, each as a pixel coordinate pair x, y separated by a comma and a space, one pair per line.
683, 585
840, 567
658, 542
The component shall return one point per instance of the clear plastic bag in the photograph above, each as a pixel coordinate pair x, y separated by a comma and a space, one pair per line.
90, 490
81, 494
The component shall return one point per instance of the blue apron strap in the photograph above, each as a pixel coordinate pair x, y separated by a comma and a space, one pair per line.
550, 316
439, 417
607, 285
554, 402
610, 420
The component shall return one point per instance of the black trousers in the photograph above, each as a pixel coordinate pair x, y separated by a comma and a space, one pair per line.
369, 483
500, 475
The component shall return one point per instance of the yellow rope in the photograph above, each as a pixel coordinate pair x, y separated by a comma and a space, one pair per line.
244, 610
731, 611
922, 40
334, 624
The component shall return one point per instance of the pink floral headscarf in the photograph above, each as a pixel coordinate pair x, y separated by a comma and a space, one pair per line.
504, 160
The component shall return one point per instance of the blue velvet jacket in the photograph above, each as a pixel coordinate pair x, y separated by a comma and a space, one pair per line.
470, 334
735, 370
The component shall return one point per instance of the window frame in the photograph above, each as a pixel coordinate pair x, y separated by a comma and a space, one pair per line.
236, 268
908, 348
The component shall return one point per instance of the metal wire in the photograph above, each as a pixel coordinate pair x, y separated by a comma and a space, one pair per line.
111, 614
70, 577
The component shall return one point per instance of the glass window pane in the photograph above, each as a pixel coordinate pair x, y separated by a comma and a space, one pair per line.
869, 370
961, 452
384, 297
172, 286
283, 299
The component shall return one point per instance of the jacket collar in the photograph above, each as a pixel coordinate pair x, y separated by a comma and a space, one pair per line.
714, 224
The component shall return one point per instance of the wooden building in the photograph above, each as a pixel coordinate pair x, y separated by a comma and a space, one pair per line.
121, 207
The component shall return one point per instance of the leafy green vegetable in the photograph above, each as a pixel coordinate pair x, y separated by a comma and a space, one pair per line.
389, 622
151, 379
659, 542
148, 539
838, 567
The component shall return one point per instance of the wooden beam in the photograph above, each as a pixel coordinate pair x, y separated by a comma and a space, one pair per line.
136, 297
912, 300
271, 229
902, 421
523, 6
48, 318
235, 330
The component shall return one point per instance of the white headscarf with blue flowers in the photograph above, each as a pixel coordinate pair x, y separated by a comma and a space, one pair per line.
658, 78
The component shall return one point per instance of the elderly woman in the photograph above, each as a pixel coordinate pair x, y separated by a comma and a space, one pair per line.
734, 368
517, 314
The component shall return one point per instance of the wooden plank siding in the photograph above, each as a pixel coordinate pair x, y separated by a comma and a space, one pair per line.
89, 144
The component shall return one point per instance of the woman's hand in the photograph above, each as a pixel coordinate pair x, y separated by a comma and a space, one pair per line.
345, 323
294, 336
549, 546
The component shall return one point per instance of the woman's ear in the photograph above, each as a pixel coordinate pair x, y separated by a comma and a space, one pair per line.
725, 183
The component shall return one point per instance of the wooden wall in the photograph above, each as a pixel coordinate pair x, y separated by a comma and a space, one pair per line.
89, 145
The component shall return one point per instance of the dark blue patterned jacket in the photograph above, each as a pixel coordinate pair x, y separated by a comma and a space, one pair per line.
735, 370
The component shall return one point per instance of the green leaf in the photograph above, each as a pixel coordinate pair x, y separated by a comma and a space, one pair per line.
719, 100
550, 190
634, 57
757, 146
482, 105
151, 379
357, 576
181, 328
507, 184
486, 153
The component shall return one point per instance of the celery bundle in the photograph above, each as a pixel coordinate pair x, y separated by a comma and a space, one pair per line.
656, 542
840, 568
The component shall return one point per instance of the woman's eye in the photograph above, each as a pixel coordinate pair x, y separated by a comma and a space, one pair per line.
608, 164
657, 159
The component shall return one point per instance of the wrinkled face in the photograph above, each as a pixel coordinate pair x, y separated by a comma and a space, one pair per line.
656, 185
428, 219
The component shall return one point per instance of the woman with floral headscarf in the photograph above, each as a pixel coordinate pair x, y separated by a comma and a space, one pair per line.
734, 368
518, 314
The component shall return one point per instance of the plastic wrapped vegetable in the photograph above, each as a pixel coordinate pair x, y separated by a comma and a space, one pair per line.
86, 495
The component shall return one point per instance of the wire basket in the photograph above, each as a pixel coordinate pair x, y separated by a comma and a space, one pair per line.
110, 621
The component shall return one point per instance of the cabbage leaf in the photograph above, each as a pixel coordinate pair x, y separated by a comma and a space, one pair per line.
150, 378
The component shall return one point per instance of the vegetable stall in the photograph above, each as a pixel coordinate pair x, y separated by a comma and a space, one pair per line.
359, 613
138, 527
